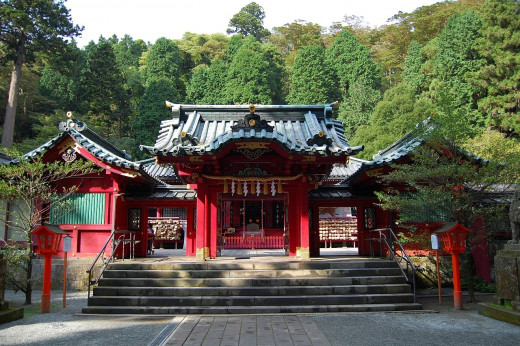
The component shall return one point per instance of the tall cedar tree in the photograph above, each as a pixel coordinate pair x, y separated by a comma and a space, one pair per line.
312, 79
152, 110
103, 93
499, 78
359, 80
248, 75
26, 28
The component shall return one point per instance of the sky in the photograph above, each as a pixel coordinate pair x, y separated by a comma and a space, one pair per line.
151, 19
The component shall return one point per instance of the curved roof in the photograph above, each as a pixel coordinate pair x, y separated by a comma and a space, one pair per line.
205, 130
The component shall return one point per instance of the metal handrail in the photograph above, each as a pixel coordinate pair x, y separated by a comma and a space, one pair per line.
106, 261
391, 241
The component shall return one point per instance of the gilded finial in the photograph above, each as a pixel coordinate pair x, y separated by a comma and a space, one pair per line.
69, 115
252, 109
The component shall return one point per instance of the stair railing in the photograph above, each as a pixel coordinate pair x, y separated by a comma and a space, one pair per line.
106, 260
387, 239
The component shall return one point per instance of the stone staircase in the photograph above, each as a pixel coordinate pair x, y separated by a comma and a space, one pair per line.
251, 287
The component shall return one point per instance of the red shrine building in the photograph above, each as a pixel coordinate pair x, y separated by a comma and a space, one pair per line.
225, 177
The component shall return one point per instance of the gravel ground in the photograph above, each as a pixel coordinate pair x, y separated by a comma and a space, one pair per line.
435, 325
69, 327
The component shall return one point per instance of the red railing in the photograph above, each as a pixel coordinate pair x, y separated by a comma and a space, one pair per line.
254, 242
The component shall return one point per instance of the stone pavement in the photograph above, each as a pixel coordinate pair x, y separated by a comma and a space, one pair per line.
283, 330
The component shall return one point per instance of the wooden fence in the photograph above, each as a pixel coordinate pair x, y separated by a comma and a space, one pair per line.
254, 242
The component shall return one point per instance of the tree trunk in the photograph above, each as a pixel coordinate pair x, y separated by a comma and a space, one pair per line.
28, 291
14, 89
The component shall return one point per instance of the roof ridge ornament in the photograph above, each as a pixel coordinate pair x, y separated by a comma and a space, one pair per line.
72, 124
252, 121
176, 113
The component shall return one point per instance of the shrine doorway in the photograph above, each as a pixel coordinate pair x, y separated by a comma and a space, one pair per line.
251, 222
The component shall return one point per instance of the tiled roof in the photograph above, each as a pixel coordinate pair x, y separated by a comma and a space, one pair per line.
203, 130
4, 158
92, 142
162, 172
178, 192
341, 172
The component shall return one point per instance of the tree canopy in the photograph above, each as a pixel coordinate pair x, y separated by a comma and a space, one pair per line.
249, 21
27, 28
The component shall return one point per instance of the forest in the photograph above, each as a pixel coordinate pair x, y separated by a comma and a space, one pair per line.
457, 62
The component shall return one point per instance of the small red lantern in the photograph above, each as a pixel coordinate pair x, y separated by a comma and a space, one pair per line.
48, 239
454, 240
453, 237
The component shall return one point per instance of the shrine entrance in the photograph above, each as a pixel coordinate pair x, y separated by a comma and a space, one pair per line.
252, 169
253, 222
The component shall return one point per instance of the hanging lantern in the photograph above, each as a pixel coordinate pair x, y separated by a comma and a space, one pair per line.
280, 186
239, 189
253, 187
225, 186
266, 189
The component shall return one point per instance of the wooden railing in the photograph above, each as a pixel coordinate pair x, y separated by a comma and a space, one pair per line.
254, 242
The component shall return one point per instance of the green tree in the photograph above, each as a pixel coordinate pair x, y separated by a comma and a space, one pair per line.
312, 79
412, 73
289, 39
352, 62
248, 75
498, 78
203, 48
450, 89
102, 90
207, 84
32, 187
163, 62
359, 79
444, 183
26, 28
128, 53
249, 22
152, 110
397, 114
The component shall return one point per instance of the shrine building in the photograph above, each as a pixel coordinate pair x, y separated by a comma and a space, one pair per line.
228, 177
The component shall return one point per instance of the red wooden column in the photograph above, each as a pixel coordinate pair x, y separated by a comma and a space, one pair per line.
202, 239
190, 232
212, 224
293, 204
299, 237
304, 251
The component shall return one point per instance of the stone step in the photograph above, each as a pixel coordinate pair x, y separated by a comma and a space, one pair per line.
206, 310
221, 273
287, 265
265, 300
251, 291
249, 282
251, 287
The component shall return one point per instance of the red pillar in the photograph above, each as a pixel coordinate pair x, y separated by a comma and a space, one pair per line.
304, 248
201, 241
457, 290
190, 232
212, 224
46, 289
